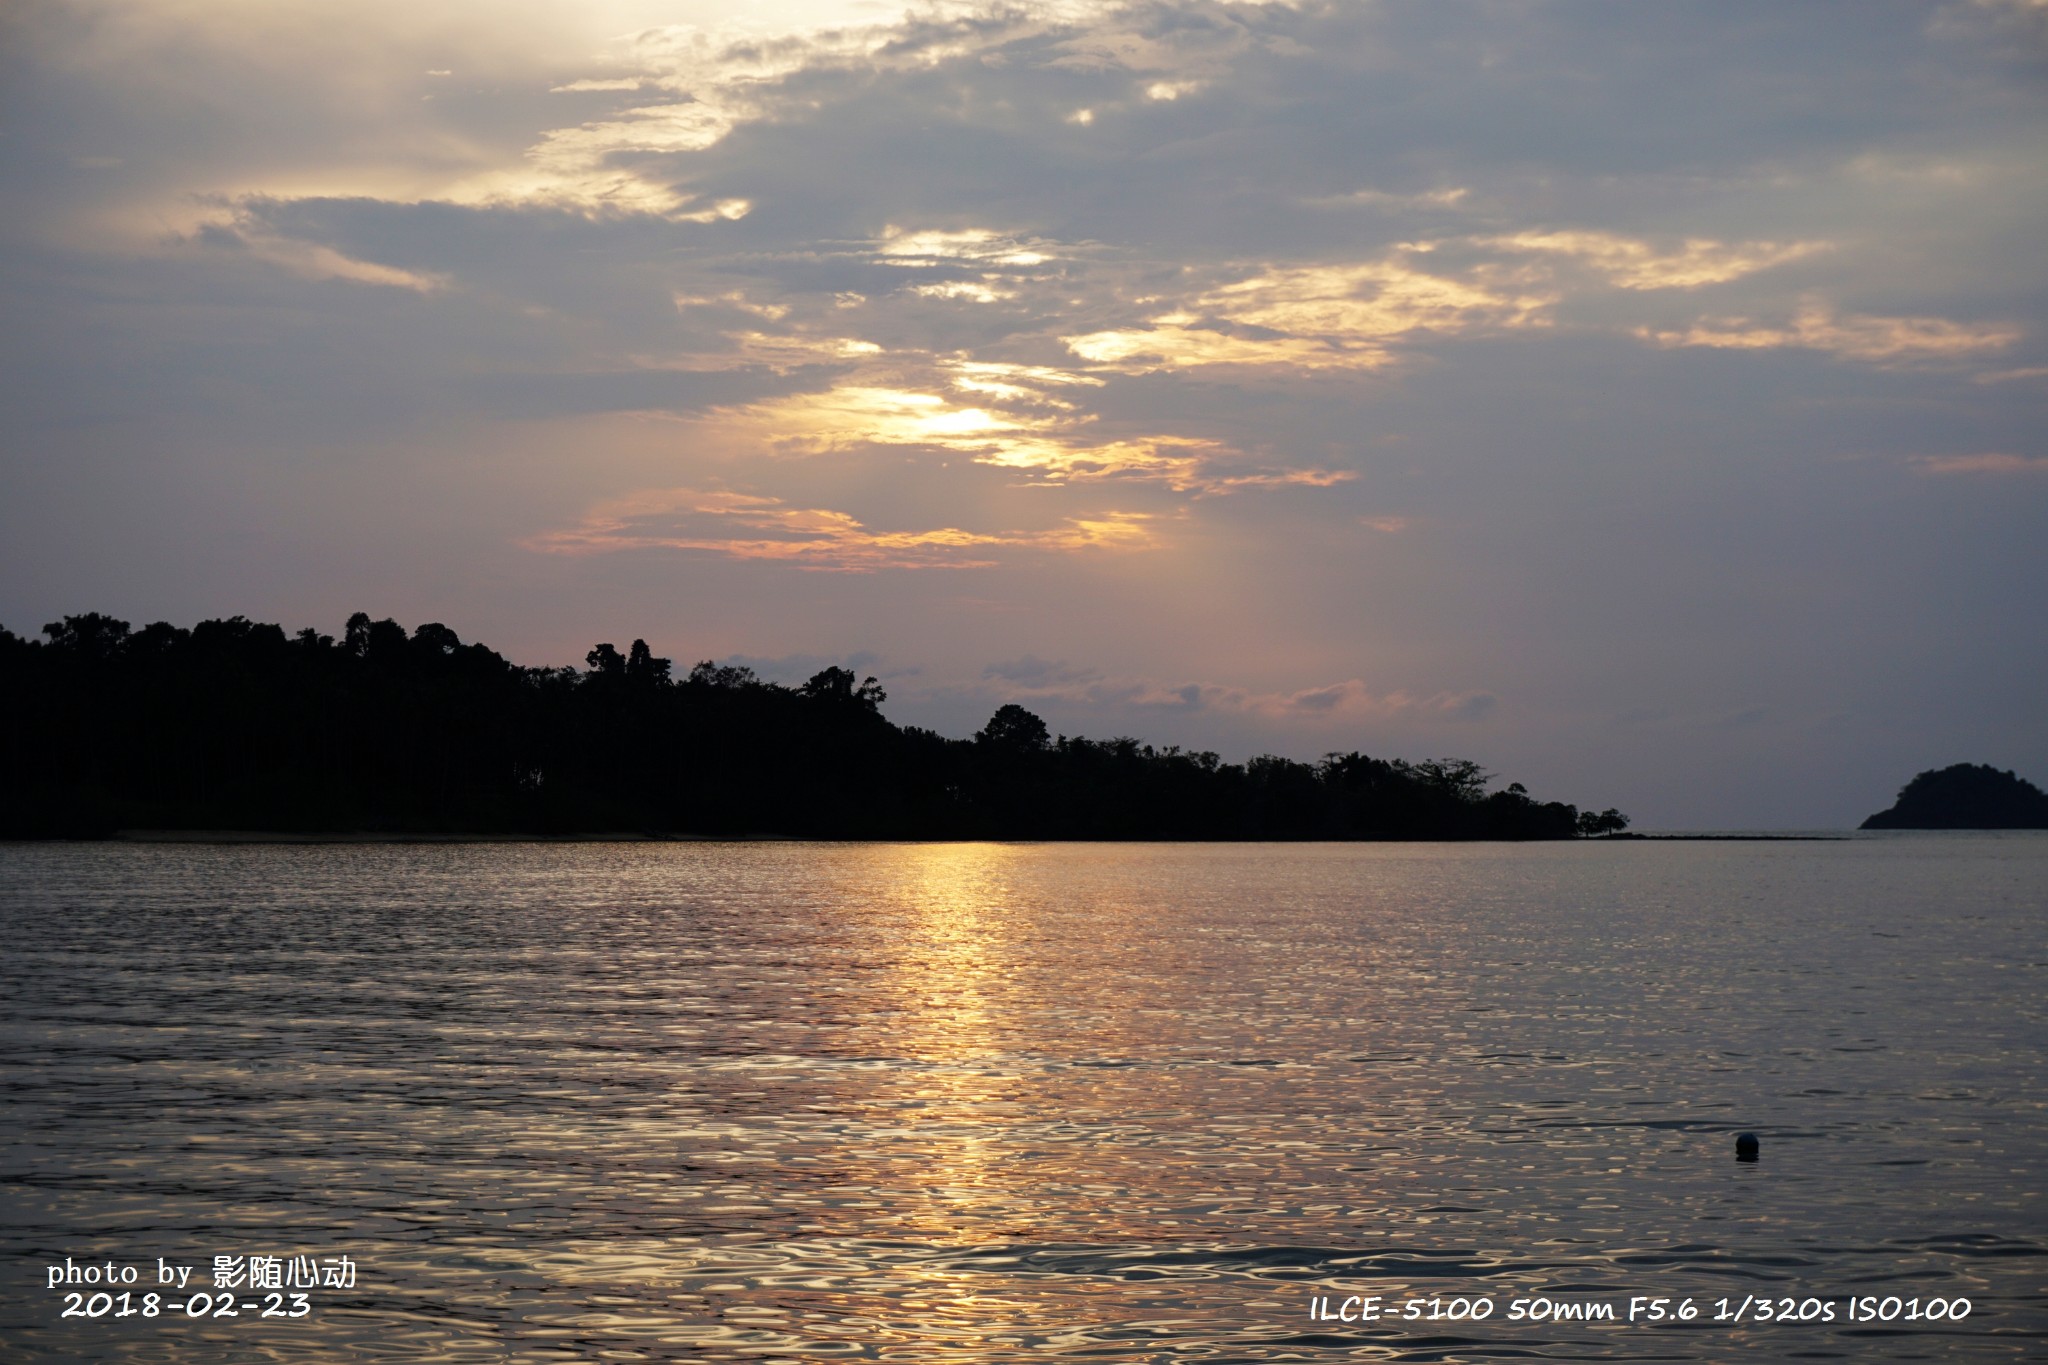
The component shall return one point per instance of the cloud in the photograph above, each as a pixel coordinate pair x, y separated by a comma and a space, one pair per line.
607, 165
780, 353
2020, 24
1449, 198
1357, 315
972, 290
243, 232
1375, 299
1353, 698
796, 668
1035, 680
1318, 317
1135, 41
979, 246
1988, 463
1172, 343
1877, 340
1630, 263
756, 527
1030, 671
1011, 416
715, 79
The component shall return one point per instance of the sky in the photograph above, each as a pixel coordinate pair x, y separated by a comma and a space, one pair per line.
1649, 402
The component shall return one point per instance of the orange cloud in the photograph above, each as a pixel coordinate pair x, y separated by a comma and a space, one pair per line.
1879, 340
750, 526
1010, 416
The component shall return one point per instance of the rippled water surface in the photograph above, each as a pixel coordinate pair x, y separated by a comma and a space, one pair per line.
993, 1103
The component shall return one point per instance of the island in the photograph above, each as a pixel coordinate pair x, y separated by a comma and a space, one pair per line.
233, 725
1965, 796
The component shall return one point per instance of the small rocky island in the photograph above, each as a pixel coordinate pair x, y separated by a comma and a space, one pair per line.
1966, 796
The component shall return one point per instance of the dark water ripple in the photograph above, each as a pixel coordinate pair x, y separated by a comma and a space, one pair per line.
1002, 1103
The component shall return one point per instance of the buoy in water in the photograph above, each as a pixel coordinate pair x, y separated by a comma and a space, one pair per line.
1746, 1146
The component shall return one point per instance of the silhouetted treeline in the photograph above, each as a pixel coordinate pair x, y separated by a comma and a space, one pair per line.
235, 725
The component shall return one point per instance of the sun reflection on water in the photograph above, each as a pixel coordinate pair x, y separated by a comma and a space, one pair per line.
948, 980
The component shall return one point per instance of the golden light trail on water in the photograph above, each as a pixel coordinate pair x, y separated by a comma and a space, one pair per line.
951, 903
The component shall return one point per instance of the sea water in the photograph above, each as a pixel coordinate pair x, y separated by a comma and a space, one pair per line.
995, 1102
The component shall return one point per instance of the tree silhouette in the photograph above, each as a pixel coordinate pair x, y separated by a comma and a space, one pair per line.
234, 725
1609, 821
710, 674
1012, 727
642, 667
835, 687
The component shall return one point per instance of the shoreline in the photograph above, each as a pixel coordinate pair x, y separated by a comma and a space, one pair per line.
264, 836
256, 836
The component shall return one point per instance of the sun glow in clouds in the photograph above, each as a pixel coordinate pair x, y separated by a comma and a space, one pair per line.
751, 526
977, 245
1019, 420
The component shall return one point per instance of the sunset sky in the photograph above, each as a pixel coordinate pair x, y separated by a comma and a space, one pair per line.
1649, 401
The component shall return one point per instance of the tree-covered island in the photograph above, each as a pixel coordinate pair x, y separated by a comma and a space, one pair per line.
1965, 796
234, 725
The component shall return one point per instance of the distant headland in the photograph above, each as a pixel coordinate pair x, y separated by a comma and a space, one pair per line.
234, 725
1965, 796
